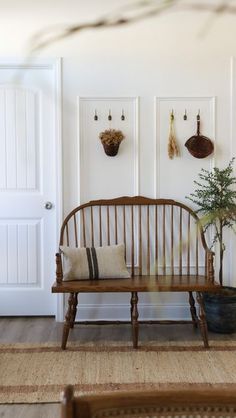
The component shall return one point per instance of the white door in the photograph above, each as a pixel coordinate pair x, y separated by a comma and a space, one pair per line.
29, 133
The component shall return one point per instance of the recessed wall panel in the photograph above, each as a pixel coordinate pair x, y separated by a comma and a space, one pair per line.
102, 176
174, 178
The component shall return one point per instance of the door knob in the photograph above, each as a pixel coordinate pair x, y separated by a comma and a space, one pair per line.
48, 205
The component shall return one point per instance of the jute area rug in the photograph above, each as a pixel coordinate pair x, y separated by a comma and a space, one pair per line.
38, 373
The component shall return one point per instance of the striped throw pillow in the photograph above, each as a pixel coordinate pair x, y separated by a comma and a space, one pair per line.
94, 263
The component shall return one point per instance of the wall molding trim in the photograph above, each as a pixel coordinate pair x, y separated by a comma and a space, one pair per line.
157, 101
159, 311
135, 100
29, 62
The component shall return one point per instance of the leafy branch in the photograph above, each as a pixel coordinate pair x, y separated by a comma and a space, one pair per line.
215, 197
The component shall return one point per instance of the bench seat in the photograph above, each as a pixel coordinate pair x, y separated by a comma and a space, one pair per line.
139, 284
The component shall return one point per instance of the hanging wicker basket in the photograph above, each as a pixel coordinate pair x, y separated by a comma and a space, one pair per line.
111, 149
111, 139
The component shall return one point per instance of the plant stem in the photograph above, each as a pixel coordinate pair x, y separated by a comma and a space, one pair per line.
221, 252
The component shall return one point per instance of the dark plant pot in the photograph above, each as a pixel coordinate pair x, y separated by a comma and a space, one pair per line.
111, 150
221, 310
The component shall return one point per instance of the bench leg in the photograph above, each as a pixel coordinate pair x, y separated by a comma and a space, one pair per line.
74, 310
68, 320
134, 318
202, 320
193, 309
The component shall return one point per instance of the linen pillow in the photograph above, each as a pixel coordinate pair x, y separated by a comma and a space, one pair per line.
106, 262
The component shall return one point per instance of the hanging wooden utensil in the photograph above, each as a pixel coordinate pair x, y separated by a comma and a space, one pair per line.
198, 145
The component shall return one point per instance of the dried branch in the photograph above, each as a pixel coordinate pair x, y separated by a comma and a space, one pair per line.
140, 10
47, 36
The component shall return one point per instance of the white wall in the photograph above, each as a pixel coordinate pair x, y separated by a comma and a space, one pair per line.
165, 56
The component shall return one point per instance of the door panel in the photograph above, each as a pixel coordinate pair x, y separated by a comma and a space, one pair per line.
28, 178
19, 113
21, 243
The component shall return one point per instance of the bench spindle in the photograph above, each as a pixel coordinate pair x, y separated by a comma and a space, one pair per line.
172, 240
148, 241
124, 230
116, 226
108, 226
164, 239
75, 231
188, 243
180, 242
100, 225
84, 230
140, 241
91, 226
197, 271
156, 240
67, 235
132, 240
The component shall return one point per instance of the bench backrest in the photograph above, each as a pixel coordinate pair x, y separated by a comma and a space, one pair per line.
172, 403
161, 236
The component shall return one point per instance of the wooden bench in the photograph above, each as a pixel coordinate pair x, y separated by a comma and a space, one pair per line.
208, 402
165, 250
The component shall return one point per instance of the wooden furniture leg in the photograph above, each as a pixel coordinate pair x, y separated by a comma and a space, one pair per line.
131, 308
134, 318
74, 310
68, 320
193, 309
202, 320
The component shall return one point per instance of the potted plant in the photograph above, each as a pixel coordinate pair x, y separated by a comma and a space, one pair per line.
215, 198
111, 139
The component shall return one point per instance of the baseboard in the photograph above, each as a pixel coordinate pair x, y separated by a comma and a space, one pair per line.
121, 312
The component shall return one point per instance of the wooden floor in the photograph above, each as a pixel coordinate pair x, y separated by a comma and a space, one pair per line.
46, 329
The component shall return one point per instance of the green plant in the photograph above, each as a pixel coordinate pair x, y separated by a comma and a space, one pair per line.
216, 200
